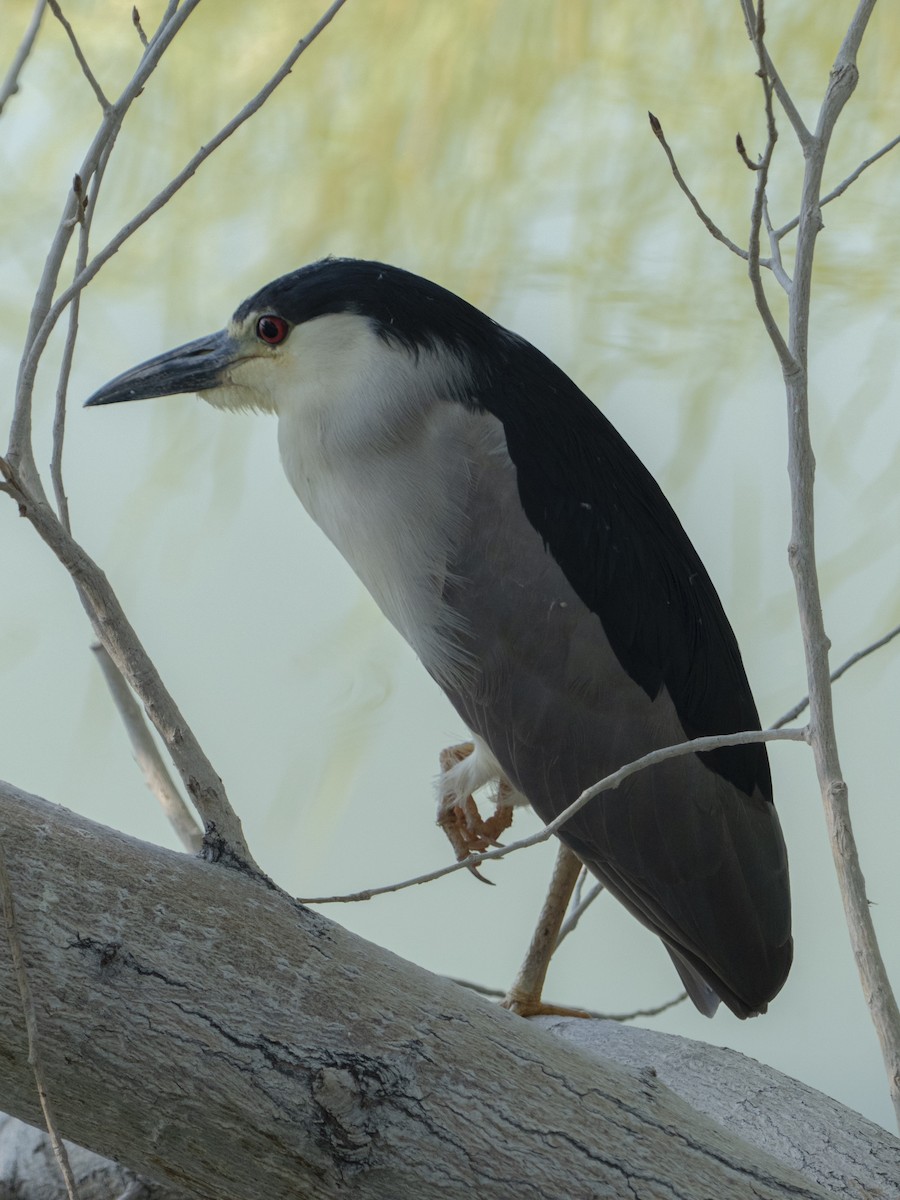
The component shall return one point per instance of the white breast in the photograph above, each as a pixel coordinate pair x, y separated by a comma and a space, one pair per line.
379, 454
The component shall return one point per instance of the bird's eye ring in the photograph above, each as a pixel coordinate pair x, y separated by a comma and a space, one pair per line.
272, 329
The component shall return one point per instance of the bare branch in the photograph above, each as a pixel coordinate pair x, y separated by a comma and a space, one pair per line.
85, 211
801, 551
224, 835
148, 757
79, 54
802, 705
608, 784
788, 364
31, 1029
846, 55
136, 22
755, 23
10, 84
22, 478
429, 1091
86, 208
774, 262
59, 418
577, 911
492, 993
743, 155
713, 228
842, 187
38, 342
21, 453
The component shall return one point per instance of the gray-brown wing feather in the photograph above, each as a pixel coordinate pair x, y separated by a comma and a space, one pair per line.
693, 857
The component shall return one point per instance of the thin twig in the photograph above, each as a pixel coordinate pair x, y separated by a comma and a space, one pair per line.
136, 22
608, 784
31, 1029
774, 261
171, 8
148, 757
756, 27
23, 480
707, 220
88, 206
743, 155
793, 356
111, 626
843, 185
492, 993
21, 452
579, 907
79, 54
39, 341
10, 84
802, 705
65, 369
81, 261
579, 886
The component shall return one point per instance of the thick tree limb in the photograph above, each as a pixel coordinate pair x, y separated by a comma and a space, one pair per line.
840, 1149
204, 1030
7, 904
28, 1171
845, 1153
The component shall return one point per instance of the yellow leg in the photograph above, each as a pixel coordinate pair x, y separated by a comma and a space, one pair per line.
524, 997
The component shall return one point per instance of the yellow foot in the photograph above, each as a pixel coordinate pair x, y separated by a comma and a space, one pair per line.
533, 1006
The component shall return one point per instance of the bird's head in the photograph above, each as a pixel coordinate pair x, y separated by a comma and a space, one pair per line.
337, 327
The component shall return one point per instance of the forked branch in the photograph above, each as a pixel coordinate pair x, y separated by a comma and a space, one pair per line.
792, 351
22, 479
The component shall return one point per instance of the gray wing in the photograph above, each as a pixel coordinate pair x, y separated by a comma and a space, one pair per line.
690, 854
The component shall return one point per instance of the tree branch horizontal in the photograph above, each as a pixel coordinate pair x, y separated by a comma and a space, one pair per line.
204, 1030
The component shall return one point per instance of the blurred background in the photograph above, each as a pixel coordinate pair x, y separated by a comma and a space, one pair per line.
501, 148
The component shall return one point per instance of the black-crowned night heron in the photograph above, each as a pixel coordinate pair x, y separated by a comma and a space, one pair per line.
535, 567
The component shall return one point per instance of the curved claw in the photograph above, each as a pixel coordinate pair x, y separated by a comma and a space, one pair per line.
481, 878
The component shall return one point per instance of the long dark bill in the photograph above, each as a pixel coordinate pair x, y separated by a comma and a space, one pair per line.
194, 367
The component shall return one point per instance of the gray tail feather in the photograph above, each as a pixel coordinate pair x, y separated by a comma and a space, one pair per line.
703, 996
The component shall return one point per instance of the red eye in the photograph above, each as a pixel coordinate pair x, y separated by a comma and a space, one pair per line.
272, 329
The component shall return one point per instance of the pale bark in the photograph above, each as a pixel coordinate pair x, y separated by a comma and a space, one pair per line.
206, 1031
792, 348
823, 1139
29, 1171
